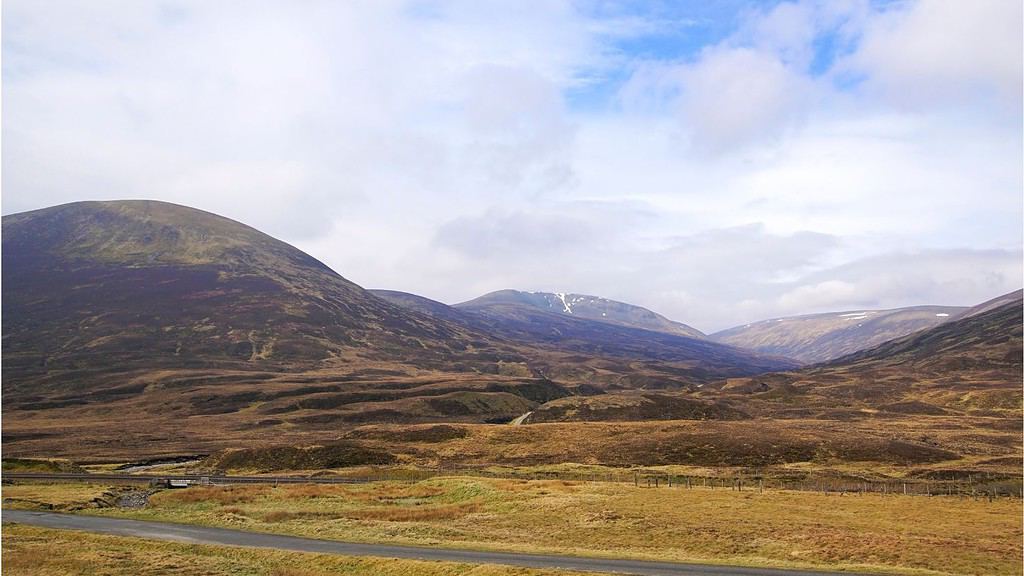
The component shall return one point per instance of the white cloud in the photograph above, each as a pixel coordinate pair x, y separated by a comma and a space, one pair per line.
832, 294
436, 147
728, 98
957, 276
518, 130
506, 238
737, 95
942, 52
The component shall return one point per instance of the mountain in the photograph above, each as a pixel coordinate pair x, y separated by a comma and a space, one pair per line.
992, 304
967, 367
186, 329
971, 366
145, 328
596, 352
422, 305
94, 286
821, 337
986, 337
589, 307
673, 358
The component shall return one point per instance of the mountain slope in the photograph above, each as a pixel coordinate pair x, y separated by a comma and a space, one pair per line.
822, 337
592, 351
421, 304
134, 323
590, 307
104, 285
989, 338
992, 304
969, 366
673, 358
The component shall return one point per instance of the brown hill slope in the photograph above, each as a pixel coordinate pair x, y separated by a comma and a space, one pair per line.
991, 304
989, 339
98, 286
970, 366
822, 337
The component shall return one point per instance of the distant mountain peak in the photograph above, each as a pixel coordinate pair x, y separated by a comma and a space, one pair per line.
589, 307
821, 337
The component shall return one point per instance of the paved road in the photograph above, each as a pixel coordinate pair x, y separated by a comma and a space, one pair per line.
191, 477
203, 535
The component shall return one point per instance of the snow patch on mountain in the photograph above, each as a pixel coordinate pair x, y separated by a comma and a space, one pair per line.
561, 296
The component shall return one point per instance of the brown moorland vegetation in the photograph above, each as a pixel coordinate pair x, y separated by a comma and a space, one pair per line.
867, 532
950, 394
865, 445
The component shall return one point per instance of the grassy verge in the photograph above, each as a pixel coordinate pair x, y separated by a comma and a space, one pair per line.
39, 465
871, 532
34, 551
59, 497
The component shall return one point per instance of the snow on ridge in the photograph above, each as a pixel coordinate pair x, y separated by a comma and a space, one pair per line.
561, 296
942, 314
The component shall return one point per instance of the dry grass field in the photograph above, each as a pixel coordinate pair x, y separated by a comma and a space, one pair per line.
870, 447
870, 533
52, 496
866, 444
32, 551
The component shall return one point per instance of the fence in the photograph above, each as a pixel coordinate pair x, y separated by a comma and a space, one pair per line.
969, 485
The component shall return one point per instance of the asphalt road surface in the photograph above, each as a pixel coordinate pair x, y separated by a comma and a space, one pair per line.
85, 477
221, 536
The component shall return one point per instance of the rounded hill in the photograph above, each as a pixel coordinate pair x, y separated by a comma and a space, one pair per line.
103, 285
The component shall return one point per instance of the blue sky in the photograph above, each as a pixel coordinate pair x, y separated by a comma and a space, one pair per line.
680, 31
718, 162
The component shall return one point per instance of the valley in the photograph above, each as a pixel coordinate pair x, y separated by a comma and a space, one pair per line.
197, 334
156, 339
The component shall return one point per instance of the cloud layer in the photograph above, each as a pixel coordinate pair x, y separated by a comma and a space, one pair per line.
720, 164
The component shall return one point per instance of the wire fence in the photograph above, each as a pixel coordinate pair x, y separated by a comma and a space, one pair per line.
983, 485
978, 486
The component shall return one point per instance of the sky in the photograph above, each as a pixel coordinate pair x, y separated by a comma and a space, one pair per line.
717, 162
